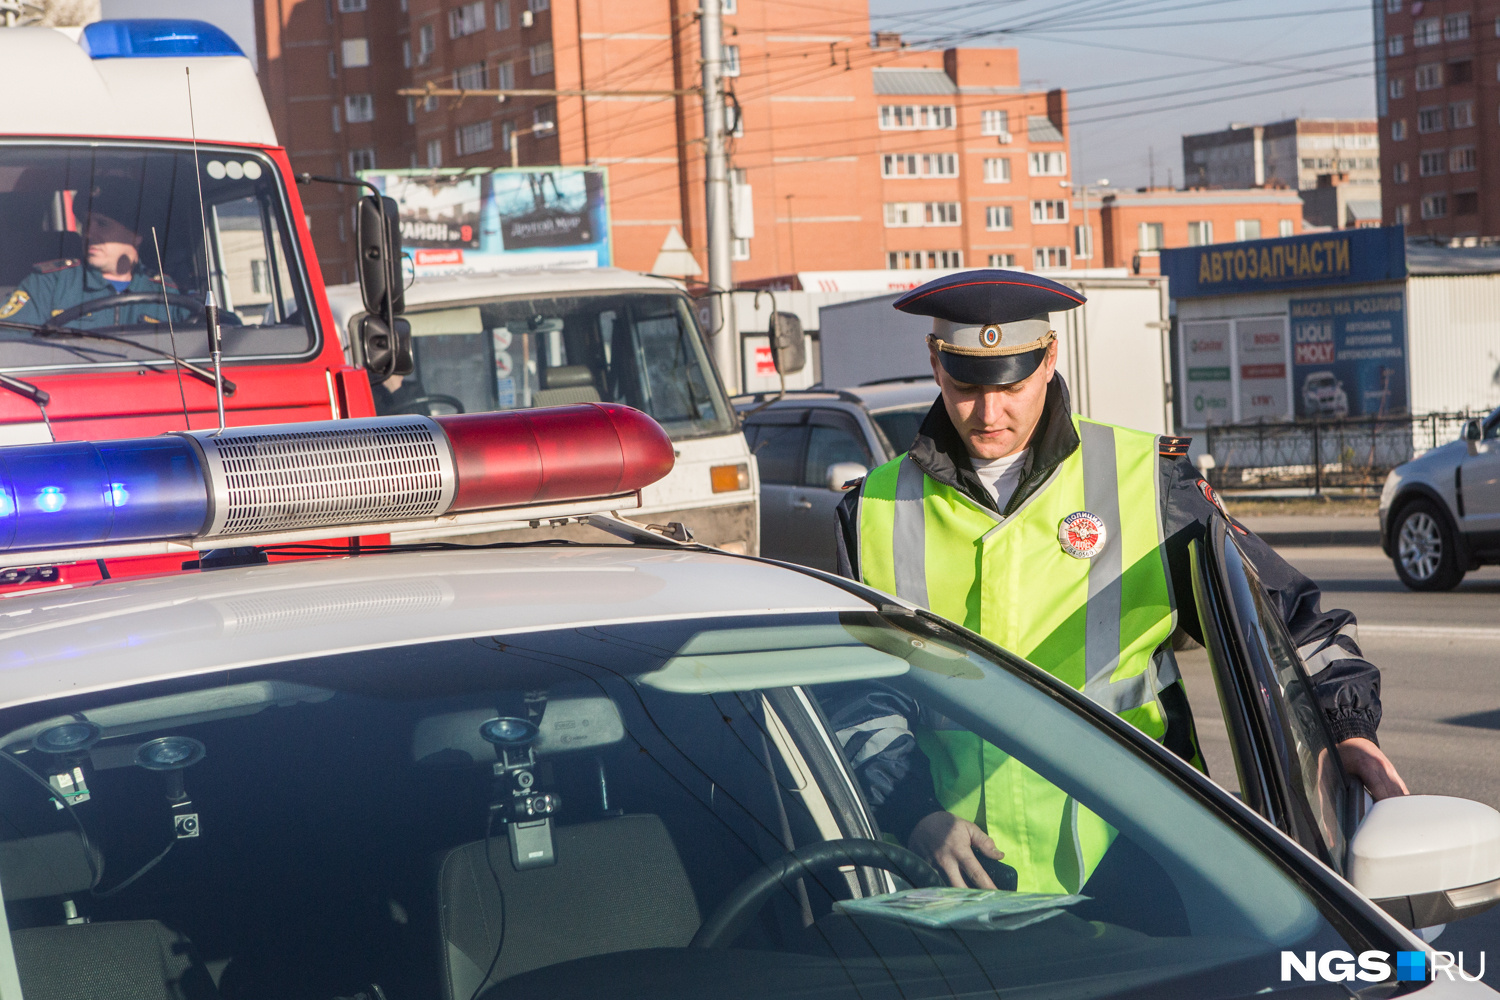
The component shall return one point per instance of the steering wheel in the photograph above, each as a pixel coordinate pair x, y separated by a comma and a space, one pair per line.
126, 299
734, 914
423, 404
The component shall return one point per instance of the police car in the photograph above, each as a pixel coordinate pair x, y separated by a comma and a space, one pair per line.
606, 770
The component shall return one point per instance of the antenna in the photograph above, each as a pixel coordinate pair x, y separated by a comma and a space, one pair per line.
161, 276
210, 310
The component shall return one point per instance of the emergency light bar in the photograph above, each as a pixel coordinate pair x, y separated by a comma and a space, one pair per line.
155, 38
258, 485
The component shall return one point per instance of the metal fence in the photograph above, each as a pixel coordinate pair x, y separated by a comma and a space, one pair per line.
1319, 454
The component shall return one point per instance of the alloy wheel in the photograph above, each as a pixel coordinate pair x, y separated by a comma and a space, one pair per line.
1420, 545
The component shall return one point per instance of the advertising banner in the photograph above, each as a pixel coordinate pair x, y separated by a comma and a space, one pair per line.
1349, 355
1263, 369
1344, 257
1208, 376
476, 221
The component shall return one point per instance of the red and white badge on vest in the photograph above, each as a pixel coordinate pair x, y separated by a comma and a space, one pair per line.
1082, 534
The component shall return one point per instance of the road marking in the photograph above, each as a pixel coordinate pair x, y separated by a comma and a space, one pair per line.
1452, 632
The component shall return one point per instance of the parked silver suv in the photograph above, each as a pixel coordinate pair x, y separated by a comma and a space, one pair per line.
1440, 512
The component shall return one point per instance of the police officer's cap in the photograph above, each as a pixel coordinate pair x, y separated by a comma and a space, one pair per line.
990, 327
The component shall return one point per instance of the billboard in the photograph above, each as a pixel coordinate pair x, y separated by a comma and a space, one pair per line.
1341, 257
457, 221
1349, 355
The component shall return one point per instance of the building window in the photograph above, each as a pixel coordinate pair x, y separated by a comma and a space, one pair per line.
997, 170
1200, 234
1466, 203
544, 120
476, 138
1150, 236
361, 159
537, 6
1400, 173
1461, 114
505, 76
999, 218
1049, 210
356, 52
426, 42
1398, 88
406, 53
1435, 206
1462, 161
739, 249
1047, 164
1049, 257
1432, 164
434, 152
919, 165
1002, 260
470, 77
731, 60
729, 7
1083, 242
1430, 120
914, 260
1403, 214
338, 125
1427, 31
1284, 227
502, 15
351, 6
1456, 27
541, 59
1393, 6
411, 111
1394, 45
1461, 71
995, 123
909, 116
901, 214
1247, 229
466, 20
1429, 76
1398, 130
359, 108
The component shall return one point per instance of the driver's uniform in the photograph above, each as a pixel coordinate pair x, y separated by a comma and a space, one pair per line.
58, 285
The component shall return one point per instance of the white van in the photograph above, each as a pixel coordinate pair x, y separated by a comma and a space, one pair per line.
521, 339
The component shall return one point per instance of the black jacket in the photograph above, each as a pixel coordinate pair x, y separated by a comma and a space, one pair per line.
1347, 685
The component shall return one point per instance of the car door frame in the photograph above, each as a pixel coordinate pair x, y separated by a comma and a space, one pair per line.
1257, 714
776, 498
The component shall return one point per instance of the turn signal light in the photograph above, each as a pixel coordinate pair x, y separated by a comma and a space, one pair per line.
729, 478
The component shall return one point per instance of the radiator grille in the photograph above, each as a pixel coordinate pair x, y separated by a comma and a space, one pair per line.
328, 473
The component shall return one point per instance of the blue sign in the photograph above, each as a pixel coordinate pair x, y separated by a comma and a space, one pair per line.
1338, 257
1349, 355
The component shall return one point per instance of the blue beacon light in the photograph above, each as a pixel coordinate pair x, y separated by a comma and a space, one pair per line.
152, 38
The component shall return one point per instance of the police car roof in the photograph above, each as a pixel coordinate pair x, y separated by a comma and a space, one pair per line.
56, 89
124, 631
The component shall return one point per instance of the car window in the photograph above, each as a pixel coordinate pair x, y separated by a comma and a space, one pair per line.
827, 445
778, 451
901, 426
650, 808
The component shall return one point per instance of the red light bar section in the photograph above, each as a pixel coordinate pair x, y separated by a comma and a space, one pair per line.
557, 453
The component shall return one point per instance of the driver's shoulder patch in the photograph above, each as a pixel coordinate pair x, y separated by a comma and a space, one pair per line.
14, 304
52, 266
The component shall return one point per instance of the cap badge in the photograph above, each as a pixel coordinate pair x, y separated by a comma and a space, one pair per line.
1082, 534
990, 336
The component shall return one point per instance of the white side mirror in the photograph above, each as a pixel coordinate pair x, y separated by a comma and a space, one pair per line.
840, 474
1428, 859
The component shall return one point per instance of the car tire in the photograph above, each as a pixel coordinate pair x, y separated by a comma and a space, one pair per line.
1423, 549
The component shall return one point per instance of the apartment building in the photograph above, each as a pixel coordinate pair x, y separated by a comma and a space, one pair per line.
1436, 68
1291, 153
850, 151
1135, 226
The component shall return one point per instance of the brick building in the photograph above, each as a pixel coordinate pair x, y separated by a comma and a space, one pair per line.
852, 152
1291, 153
1436, 71
1135, 226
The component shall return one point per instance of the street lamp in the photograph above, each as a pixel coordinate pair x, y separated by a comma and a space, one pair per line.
515, 134
1097, 187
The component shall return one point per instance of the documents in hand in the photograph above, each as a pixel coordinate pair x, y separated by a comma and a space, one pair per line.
962, 909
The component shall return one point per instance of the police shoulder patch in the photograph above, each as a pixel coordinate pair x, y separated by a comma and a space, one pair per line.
14, 304
1212, 496
1173, 447
50, 266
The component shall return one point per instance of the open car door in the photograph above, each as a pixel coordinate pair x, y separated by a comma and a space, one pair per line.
1289, 769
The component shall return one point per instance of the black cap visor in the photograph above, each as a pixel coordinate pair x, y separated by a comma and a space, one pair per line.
1004, 369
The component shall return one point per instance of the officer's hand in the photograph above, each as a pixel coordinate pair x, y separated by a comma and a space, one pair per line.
949, 843
1365, 761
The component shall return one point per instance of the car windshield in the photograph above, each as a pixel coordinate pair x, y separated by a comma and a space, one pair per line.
670, 808
641, 349
109, 239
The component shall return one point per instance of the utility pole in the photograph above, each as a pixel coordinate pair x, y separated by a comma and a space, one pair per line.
722, 326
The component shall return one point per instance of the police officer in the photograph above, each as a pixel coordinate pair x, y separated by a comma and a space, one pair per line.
1063, 540
112, 267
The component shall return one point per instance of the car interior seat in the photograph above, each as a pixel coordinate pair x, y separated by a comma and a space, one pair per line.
618, 884
566, 384
111, 960
27, 246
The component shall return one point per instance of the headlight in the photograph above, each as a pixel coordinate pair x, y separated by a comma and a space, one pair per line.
1388, 491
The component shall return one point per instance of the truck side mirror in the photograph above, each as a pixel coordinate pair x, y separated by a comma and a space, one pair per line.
378, 234
1428, 859
386, 347
788, 343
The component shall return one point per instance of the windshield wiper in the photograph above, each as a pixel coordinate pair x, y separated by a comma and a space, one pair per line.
65, 332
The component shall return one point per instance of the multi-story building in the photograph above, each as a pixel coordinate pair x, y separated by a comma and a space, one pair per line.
850, 151
1135, 226
1291, 153
1435, 70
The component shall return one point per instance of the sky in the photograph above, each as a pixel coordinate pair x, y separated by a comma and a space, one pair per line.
1143, 73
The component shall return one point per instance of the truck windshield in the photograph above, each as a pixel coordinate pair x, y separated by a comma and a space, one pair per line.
110, 239
637, 348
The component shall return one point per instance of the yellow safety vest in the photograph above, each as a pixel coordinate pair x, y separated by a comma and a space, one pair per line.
1097, 623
